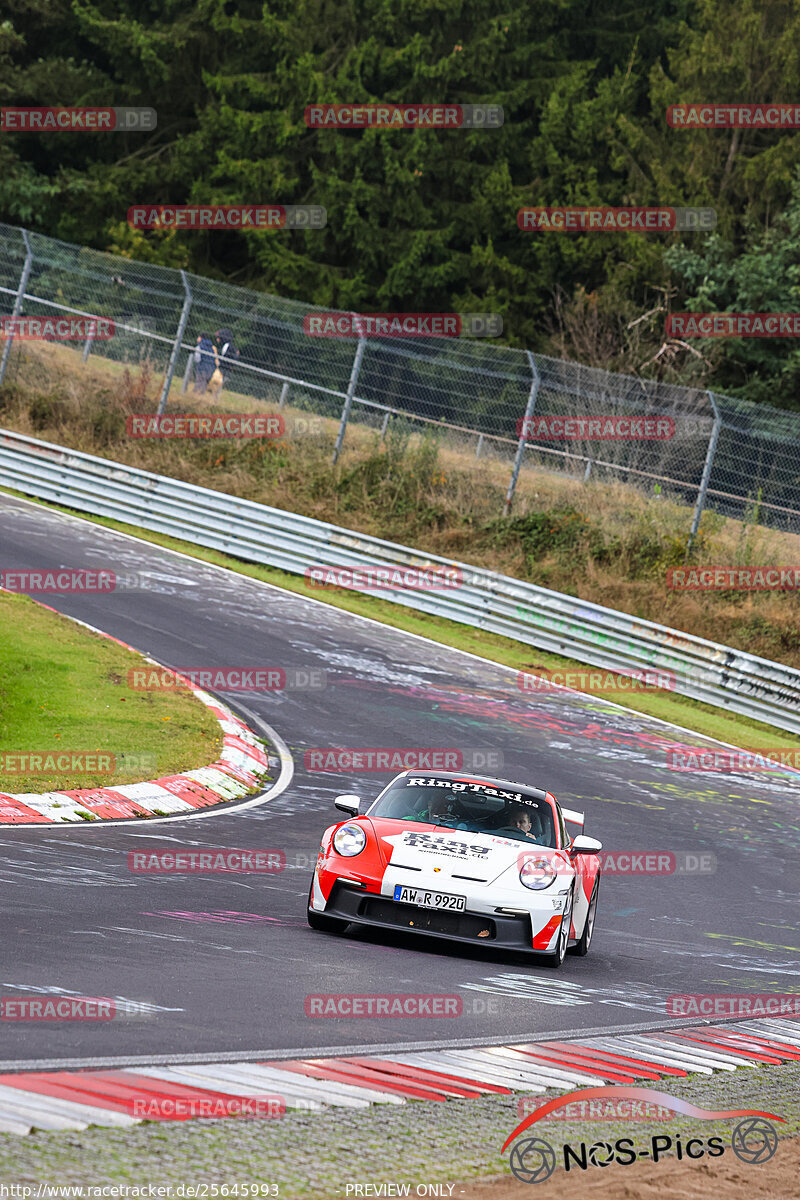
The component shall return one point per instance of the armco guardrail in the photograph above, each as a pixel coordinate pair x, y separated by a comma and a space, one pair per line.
719, 675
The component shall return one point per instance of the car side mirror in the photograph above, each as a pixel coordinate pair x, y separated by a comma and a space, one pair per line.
585, 845
348, 804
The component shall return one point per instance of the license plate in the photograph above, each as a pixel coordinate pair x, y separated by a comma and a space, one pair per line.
425, 899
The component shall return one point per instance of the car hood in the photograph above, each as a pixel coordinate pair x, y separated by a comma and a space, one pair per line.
425, 850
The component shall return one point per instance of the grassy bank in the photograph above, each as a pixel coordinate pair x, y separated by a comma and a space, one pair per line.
604, 542
64, 690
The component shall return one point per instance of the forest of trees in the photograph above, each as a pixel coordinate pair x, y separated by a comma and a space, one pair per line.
426, 221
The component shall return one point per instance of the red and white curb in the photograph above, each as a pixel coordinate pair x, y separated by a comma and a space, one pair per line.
53, 1100
237, 772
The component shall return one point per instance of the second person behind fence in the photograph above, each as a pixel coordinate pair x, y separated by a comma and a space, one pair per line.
204, 359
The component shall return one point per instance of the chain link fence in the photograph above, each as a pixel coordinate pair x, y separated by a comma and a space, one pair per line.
740, 459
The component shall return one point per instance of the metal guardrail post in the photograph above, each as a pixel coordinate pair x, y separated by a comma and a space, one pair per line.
351, 390
23, 283
87, 346
707, 466
551, 621
512, 487
176, 345
187, 372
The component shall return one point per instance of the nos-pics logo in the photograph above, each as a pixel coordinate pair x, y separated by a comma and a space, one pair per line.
533, 1160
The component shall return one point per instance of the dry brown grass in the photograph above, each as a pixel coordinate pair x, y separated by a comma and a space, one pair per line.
605, 542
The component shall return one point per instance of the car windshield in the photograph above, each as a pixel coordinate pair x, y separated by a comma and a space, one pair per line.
469, 805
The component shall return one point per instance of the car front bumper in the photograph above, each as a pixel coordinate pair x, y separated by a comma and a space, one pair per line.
502, 930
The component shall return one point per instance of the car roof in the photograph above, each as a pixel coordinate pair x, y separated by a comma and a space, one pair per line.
536, 793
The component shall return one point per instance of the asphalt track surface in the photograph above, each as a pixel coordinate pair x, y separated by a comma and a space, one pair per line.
226, 961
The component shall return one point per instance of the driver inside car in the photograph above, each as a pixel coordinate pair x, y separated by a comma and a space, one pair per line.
442, 810
520, 822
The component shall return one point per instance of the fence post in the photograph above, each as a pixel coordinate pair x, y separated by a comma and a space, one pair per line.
351, 389
479, 446
709, 463
284, 395
23, 283
186, 373
176, 345
385, 425
588, 470
523, 434
87, 347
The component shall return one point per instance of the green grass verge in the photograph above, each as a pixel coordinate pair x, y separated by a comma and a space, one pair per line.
691, 714
64, 689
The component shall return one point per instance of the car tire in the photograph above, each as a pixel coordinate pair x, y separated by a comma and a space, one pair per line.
321, 922
556, 957
583, 943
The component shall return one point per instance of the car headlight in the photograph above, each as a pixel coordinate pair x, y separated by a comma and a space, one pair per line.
349, 840
537, 873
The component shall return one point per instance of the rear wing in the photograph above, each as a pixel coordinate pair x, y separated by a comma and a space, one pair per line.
576, 818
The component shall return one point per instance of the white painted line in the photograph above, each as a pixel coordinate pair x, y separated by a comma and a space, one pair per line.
518, 1069
488, 1072
218, 1080
785, 1031
671, 1058
9, 1123
266, 1079
558, 1071
39, 1118
714, 1056
651, 1054
11, 1097
326, 1088
440, 1061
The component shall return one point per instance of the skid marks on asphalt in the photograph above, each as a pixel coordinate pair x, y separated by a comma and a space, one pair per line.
565, 993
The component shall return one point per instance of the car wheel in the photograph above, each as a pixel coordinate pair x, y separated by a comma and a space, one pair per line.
557, 956
581, 947
321, 922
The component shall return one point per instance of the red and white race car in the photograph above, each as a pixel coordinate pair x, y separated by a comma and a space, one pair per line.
473, 860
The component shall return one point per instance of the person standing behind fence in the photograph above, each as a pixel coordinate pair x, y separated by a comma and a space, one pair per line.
227, 352
204, 357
